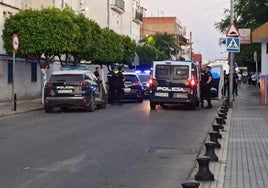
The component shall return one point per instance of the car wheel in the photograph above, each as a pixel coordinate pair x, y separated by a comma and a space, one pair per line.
163, 105
152, 105
91, 105
48, 109
140, 100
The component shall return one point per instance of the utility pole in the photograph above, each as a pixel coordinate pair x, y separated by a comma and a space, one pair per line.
231, 60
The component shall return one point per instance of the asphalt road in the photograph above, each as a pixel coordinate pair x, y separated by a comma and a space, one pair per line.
126, 146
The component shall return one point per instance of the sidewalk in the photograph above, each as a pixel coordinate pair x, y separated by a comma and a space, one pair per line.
247, 162
21, 107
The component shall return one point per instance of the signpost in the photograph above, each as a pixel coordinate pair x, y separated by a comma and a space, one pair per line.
15, 47
232, 32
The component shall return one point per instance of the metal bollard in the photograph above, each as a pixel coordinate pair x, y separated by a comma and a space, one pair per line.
214, 138
216, 128
210, 151
222, 110
190, 184
204, 174
221, 115
219, 121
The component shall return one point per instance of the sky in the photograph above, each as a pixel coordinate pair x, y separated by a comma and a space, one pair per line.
198, 16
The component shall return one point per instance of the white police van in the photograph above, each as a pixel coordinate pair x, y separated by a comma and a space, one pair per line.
174, 82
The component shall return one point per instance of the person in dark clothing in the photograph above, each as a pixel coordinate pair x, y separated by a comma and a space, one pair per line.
119, 85
97, 73
226, 83
111, 80
205, 85
235, 83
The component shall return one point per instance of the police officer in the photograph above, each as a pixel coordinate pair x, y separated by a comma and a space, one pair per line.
205, 84
119, 85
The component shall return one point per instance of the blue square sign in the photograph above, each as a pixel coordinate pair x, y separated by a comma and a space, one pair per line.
232, 44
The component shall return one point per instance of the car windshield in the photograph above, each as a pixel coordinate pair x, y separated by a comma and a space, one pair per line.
66, 77
144, 77
131, 78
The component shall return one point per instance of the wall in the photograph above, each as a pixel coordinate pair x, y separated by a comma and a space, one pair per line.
23, 85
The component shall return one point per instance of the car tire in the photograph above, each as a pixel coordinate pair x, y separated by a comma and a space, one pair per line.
48, 109
152, 105
91, 105
140, 100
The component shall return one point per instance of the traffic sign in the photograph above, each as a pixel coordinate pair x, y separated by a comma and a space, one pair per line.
15, 42
232, 44
232, 31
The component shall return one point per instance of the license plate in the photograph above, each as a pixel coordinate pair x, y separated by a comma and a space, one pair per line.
65, 91
180, 95
158, 94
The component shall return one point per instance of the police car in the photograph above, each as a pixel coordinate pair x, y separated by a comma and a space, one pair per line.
74, 89
174, 82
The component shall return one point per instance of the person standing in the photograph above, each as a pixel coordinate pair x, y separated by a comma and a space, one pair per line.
205, 84
119, 85
235, 83
226, 83
97, 73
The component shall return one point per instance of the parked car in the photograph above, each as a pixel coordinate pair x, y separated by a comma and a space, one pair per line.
133, 87
144, 78
74, 89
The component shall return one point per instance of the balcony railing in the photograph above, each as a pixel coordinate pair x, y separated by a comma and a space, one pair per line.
138, 17
118, 6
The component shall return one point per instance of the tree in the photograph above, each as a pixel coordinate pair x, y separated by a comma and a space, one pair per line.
89, 36
248, 14
110, 48
129, 47
42, 34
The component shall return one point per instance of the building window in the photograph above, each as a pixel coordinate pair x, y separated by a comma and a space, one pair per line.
34, 72
9, 72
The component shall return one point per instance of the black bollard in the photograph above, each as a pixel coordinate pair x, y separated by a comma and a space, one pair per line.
216, 128
190, 184
221, 115
222, 110
214, 138
204, 174
225, 107
210, 151
219, 121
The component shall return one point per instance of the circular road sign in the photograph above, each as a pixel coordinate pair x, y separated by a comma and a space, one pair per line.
15, 42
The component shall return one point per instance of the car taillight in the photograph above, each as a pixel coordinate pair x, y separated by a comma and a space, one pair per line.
150, 81
49, 84
81, 83
193, 82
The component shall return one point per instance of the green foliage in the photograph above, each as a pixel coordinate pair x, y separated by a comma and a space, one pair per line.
110, 48
129, 47
147, 54
248, 14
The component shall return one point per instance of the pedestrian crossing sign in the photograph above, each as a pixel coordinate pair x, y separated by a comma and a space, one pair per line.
232, 44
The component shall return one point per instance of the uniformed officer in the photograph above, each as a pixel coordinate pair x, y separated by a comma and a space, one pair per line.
118, 85
205, 84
